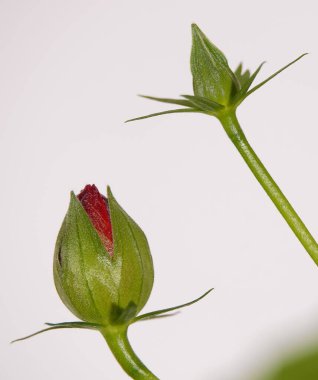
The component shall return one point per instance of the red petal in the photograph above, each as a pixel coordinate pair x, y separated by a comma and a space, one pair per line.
96, 206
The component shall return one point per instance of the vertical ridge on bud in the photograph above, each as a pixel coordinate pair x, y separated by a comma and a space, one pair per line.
132, 244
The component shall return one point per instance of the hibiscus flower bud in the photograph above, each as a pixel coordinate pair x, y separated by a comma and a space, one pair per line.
103, 273
103, 268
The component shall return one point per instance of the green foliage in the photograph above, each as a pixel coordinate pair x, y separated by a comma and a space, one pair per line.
303, 366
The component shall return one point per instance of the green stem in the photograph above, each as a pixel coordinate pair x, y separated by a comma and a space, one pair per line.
118, 343
235, 133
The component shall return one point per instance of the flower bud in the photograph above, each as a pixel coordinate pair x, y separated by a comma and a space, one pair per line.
212, 76
103, 268
218, 91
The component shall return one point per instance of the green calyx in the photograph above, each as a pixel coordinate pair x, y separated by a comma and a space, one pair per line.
217, 89
96, 287
117, 339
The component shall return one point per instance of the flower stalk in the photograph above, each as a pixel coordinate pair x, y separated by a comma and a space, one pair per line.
119, 345
236, 135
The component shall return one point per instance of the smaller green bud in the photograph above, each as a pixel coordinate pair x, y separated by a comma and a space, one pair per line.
212, 76
103, 268
218, 91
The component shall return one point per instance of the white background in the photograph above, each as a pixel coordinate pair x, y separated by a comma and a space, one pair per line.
69, 74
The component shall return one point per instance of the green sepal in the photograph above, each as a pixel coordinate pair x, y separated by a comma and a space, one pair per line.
203, 104
242, 75
85, 275
164, 113
158, 313
131, 251
212, 76
246, 82
63, 325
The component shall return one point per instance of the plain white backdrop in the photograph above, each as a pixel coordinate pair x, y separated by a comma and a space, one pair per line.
69, 74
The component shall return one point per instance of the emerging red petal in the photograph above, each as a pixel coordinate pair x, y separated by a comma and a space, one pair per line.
96, 206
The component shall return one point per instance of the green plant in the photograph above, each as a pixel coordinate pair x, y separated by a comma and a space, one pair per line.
103, 272
218, 91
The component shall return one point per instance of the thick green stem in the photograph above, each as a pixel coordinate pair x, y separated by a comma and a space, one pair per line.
235, 133
118, 342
